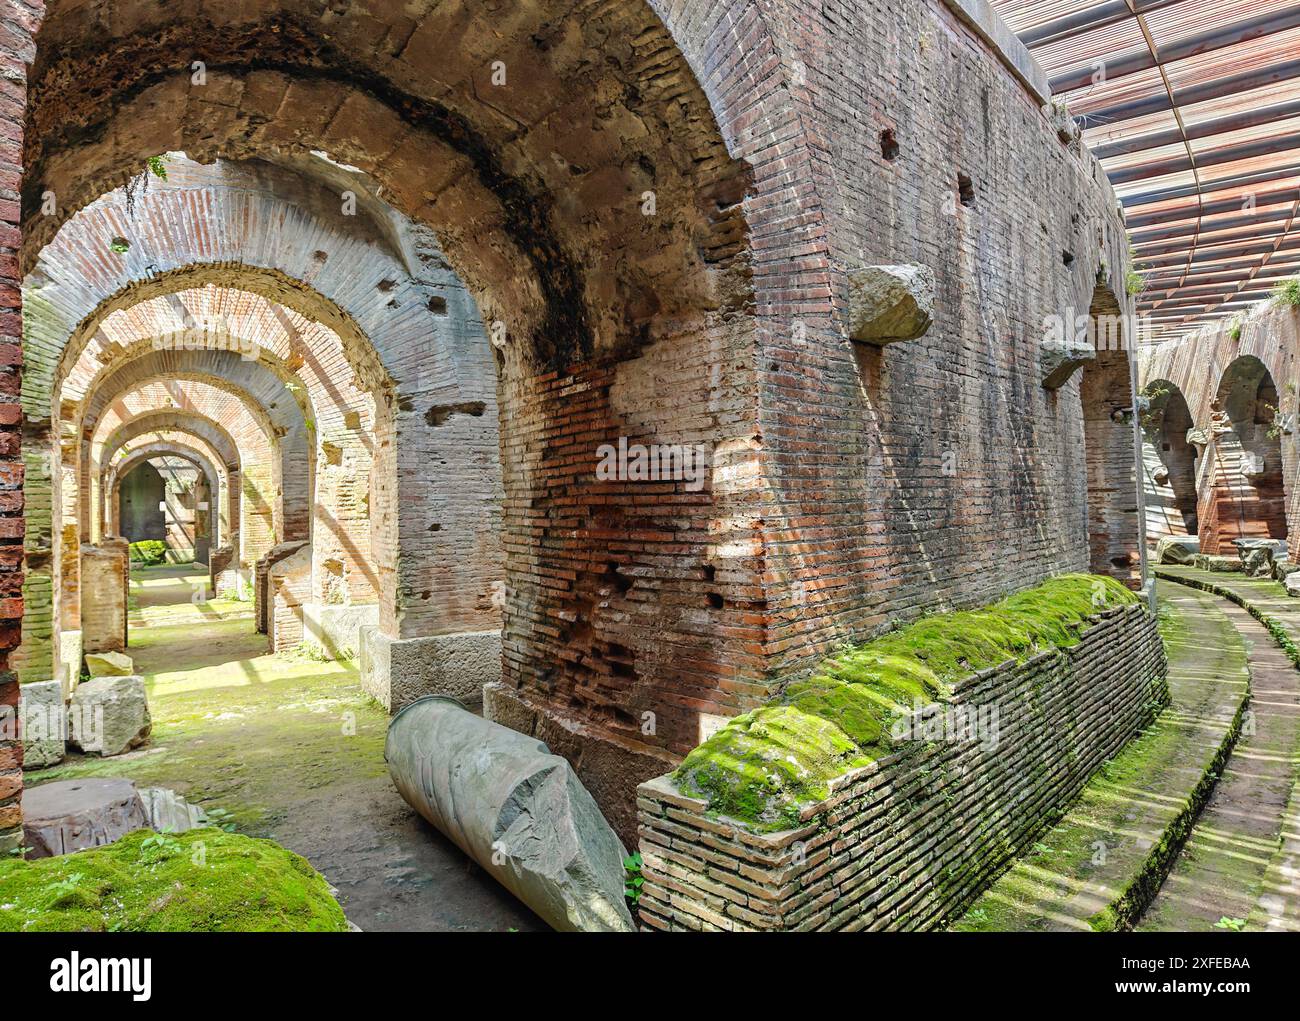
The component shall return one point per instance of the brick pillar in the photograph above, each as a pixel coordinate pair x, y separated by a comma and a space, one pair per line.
104, 580
13, 97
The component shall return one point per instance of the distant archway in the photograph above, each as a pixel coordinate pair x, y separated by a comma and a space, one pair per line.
1243, 495
1168, 462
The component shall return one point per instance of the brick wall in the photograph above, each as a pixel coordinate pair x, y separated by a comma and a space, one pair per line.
911, 840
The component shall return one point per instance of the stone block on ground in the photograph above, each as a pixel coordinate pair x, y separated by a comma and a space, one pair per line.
72, 815
110, 715
1256, 556
1177, 549
1283, 567
109, 664
1217, 564
890, 303
1292, 583
44, 720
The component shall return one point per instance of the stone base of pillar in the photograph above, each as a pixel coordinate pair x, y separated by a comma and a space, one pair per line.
397, 671
334, 629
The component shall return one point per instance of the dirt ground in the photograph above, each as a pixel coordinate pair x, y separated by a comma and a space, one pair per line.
292, 750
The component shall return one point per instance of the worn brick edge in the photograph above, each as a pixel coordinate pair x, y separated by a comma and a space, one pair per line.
872, 853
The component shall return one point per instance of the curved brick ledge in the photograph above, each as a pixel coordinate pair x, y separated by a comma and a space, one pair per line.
1105, 860
911, 840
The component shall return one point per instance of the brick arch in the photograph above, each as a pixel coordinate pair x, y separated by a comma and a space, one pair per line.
117, 473
206, 440
285, 422
408, 327
1242, 475
509, 180
137, 411
546, 227
1169, 461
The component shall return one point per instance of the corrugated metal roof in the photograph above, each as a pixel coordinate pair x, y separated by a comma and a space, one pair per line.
1193, 108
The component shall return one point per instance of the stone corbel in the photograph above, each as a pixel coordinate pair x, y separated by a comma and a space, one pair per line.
1059, 359
890, 303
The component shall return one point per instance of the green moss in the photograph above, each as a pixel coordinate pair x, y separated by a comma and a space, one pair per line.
762, 766
200, 881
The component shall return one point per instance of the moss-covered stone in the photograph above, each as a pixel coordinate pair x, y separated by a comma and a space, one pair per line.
763, 766
203, 880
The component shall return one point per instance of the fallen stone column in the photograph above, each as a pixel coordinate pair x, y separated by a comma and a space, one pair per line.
515, 808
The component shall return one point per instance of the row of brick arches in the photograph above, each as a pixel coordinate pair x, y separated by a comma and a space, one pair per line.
387, 299
1221, 477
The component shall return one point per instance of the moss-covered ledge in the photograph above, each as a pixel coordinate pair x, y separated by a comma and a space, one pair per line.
203, 880
762, 768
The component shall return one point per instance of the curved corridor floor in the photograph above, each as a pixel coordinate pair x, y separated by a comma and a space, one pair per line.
290, 747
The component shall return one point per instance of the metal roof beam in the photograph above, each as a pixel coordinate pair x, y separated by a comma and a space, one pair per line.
1268, 271
1192, 209
1220, 88
1211, 158
1088, 19
1204, 227
1205, 42
1211, 254
1182, 191
1205, 129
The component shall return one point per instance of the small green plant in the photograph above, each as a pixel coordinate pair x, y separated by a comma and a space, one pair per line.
633, 880
120, 245
149, 552
1288, 292
1134, 282
157, 167
221, 819
1236, 329
1231, 924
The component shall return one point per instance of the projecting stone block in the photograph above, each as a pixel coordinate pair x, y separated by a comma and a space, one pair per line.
1292, 583
110, 715
397, 671
1058, 360
890, 303
1177, 549
44, 721
109, 664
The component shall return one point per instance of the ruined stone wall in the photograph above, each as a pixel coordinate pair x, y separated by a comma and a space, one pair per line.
1234, 498
288, 588
910, 841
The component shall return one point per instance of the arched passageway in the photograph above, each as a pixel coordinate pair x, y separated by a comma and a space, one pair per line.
1242, 492
1169, 462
